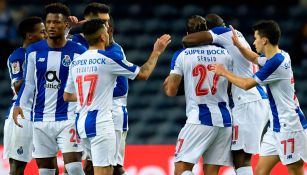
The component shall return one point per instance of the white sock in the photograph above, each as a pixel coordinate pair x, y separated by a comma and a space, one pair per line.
44, 171
247, 170
65, 173
187, 173
74, 168
125, 173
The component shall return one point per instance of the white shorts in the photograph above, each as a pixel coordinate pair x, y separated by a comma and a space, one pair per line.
120, 118
120, 147
289, 146
213, 143
50, 137
101, 149
249, 120
18, 141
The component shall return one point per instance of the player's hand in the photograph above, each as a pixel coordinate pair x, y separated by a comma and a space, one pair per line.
235, 38
73, 21
218, 69
17, 112
162, 43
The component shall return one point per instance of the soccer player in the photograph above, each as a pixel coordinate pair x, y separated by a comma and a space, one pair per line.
286, 138
207, 131
92, 77
46, 73
251, 108
16, 140
119, 110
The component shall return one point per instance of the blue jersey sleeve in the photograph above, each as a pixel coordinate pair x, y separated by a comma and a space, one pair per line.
269, 67
15, 64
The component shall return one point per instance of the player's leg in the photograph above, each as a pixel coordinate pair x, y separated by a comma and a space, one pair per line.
219, 152
69, 144
102, 151
88, 167
17, 167
248, 125
21, 146
268, 154
266, 164
120, 152
193, 141
46, 166
211, 169
296, 168
181, 167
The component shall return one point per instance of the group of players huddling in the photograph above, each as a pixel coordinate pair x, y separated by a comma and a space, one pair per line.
71, 95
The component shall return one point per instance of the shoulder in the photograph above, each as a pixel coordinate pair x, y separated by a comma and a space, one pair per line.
220, 30
179, 52
75, 47
115, 47
17, 54
40, 45
112, 55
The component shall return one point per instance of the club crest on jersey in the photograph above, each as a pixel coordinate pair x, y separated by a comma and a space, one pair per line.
20, 150
15, 67
66, 61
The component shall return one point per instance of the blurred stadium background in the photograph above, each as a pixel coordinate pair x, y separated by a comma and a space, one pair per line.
154, 118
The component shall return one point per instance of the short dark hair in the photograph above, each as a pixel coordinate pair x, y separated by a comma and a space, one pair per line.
95, 8
57, 8
92, 30
28, 25
214, 20
196, 23
268, 29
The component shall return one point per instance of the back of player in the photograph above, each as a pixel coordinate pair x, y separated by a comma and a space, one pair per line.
204, 91
207, 131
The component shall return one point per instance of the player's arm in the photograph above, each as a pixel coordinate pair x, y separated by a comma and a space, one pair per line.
148, 67
70, 97
17, 85
198, 38
69, 91
27, 89
171, 84
246, 52
243, 83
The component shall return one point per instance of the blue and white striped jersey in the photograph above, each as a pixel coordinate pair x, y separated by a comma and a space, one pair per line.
205, 92
241, 66
277, 75
121, 88
92, 77
46, 73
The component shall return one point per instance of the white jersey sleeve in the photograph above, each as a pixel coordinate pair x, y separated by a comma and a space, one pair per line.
70, 88
176, 64
125, 68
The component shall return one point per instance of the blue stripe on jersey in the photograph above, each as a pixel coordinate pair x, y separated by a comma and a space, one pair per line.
261, 92
76, 123
175, 56
90, 123
270, 66
303, 119
121, 87
225, 114
220, 30
205, 115
18, 56
41, 67
276, 124
125, 121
